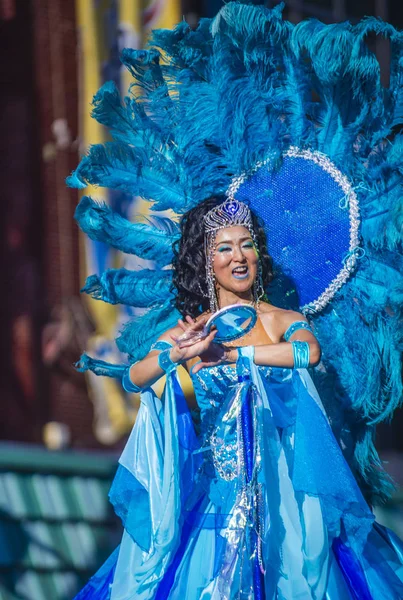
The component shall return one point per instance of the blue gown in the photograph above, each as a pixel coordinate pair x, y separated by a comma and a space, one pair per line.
255, 502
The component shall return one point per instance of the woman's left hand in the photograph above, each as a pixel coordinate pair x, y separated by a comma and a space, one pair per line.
217, 354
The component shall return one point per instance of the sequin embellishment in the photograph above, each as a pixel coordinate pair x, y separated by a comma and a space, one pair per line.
224, 440
224, 457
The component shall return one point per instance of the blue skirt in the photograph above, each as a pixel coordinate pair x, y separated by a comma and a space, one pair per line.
268, 510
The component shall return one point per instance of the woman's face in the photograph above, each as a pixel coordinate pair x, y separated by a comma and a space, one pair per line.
235, 259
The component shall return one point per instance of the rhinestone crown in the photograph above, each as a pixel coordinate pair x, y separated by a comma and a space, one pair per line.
229, 213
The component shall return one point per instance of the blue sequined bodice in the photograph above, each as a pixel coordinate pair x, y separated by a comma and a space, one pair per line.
212, 385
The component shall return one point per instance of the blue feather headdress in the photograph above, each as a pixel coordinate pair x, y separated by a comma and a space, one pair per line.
237, 92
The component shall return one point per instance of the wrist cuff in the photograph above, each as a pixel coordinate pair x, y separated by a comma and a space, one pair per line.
165, 362
247, 352
246, 355
127, 383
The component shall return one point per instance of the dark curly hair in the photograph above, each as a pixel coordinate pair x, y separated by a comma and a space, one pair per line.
189, 262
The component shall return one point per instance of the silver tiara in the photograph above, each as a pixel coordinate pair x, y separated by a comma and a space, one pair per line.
229, 213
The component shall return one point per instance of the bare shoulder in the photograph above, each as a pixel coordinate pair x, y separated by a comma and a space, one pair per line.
275, 313
278, 319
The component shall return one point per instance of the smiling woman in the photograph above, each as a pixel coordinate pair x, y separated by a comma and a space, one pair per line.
233, 268
190, 258
235, 258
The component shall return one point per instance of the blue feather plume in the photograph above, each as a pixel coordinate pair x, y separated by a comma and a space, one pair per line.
126, 120
100, 367
150, 242
142, 289
121, 167
140, 333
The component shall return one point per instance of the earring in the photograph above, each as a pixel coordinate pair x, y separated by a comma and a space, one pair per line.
258, 289
210, 277
211, 290
217, 294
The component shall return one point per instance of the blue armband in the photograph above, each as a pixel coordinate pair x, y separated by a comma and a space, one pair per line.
300, 351
127, 383
294, 327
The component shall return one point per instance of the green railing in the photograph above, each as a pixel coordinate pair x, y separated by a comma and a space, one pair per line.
56, 524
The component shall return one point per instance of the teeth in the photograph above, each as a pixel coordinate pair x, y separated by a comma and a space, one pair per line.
240, 270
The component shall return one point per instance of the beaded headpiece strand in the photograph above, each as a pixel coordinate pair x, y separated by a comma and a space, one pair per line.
229, 213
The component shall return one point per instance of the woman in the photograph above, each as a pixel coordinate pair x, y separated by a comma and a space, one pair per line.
260, 503
236, 264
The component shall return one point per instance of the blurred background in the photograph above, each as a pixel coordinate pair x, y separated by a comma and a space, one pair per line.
61, 431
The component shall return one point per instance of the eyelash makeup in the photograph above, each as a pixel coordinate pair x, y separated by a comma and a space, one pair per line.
226, 248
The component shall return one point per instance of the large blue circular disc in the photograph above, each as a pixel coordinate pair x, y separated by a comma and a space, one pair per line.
307, 212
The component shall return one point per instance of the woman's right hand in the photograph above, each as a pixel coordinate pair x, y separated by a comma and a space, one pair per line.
181, 354
188, 348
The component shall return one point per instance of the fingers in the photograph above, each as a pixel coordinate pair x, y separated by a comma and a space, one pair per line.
191, 341
201, 345
182, 325
196, 368
197, 344
202, 365
211, 336
209, 339
204, 343
190, 325
203, 319
189, 322
194, 333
